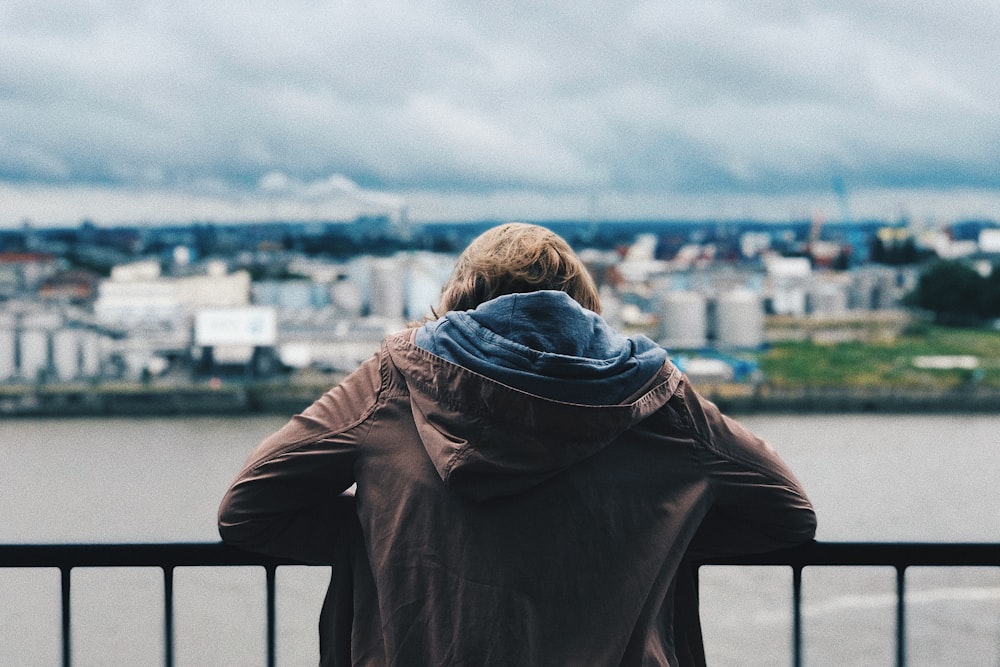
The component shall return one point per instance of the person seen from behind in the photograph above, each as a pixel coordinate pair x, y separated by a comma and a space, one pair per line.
531, 484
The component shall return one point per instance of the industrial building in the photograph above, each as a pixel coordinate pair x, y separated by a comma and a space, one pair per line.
174, 317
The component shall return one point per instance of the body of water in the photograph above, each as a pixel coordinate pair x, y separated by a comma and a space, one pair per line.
871, 477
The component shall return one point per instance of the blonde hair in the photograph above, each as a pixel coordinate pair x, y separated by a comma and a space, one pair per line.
512, 258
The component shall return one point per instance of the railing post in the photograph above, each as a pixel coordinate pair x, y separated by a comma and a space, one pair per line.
272, 653
900, 616
797, 615
168, 616
65, 594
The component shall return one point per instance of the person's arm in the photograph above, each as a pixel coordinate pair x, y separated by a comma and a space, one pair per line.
284, 501
757, 503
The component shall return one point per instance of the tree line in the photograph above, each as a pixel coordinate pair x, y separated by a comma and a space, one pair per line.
957, 294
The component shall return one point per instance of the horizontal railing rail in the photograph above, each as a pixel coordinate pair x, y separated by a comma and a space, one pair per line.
168, 556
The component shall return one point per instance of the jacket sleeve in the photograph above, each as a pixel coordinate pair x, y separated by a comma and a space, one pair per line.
286, 500
757, 504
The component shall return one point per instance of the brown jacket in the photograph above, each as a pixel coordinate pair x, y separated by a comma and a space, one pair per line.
494, 527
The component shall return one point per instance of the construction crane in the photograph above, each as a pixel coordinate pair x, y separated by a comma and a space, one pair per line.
841, 191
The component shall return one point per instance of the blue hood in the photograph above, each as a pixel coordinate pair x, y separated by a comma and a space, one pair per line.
545, 343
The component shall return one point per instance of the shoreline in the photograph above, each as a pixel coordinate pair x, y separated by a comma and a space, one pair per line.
238, 398
858, 400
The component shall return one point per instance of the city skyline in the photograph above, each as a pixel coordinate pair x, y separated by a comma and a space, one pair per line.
156, 112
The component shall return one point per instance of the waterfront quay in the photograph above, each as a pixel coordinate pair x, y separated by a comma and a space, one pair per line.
238, 397
134, 399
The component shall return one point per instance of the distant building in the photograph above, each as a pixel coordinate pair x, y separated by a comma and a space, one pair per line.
8, 349
42, 344
23, 272
322, 340
789, 279
386, 287
989, 241
291, 294
426, 276
234, 335
136, 295
73, 286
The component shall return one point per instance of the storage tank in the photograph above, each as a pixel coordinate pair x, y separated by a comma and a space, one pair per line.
8, 339
386, 296
684, 323
828, 299
874, 288
319, 295
427, 274
886, 293
859, 293
347, 296
34, 352
739, 319
66, 354
90, 354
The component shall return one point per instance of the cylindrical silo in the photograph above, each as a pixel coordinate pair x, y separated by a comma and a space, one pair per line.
861, 294
886, 293
828, 299
319, 295
739, 319
34, 353
684, 323
8, 339
386, 295
347, 296
90, 354
66, 354
427, 274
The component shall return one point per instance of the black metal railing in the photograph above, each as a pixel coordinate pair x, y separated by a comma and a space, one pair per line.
898, 555
167, 557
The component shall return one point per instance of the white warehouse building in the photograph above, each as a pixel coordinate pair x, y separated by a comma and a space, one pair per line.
133, 297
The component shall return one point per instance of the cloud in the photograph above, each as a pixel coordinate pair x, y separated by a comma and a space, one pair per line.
335, 192
452, 108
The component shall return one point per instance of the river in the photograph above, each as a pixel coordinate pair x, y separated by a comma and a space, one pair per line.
871, 477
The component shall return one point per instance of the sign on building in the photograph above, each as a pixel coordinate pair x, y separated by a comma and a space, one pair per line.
252, 325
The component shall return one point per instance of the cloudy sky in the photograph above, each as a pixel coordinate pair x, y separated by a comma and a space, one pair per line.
244, 110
